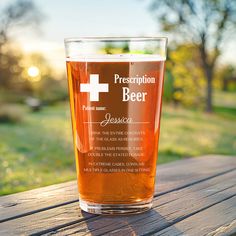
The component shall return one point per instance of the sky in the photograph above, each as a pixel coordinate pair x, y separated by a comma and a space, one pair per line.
75, 18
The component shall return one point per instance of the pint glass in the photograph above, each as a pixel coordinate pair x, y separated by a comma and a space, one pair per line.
115, 87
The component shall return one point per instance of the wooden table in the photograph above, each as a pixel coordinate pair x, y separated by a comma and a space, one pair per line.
195, 196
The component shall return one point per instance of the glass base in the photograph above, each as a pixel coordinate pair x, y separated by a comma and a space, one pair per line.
115, 209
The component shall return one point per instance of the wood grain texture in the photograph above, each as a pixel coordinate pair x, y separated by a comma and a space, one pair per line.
168, 209
41, 199
187, 189
198, 191
169, 177
216, 220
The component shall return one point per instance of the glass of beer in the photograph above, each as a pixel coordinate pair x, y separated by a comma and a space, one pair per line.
115, 87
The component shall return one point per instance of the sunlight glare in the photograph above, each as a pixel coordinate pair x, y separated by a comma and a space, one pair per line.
33, 71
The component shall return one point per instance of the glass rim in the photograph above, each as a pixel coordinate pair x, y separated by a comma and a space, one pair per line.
114, 39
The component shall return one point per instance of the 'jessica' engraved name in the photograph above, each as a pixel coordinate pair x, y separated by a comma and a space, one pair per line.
115, 120
133, 96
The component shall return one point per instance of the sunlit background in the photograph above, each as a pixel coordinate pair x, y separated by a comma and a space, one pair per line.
35, 131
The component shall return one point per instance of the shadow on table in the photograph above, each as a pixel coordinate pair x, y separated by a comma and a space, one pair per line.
149, 222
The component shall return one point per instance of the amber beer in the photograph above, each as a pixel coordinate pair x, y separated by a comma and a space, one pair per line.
115, 105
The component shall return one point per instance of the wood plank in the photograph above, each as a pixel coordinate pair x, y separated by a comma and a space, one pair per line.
41, 199
220, 219
168, 209
169, 178
181, 173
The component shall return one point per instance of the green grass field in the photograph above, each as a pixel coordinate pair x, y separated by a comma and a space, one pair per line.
39, 152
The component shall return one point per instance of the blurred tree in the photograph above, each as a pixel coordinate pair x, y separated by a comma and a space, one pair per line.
125, 48
10, 68
19, 13
186, 87
168, 86
226, 77
112, 48
109, 48
205, 23
44, 85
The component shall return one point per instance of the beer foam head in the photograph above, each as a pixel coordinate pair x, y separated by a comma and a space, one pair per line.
116, 58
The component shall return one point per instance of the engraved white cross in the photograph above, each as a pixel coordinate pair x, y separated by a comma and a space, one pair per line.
94, 88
